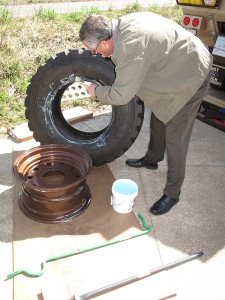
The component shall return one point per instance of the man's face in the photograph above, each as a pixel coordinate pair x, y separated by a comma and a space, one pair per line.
105, 48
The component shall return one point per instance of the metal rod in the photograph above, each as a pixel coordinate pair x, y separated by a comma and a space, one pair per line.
137, 277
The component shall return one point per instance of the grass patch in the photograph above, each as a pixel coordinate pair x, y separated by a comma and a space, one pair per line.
26, 43
46, 14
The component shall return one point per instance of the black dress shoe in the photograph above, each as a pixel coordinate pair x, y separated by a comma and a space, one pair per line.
163, 205
139, 163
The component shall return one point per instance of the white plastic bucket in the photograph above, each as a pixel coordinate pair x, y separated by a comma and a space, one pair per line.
124, 192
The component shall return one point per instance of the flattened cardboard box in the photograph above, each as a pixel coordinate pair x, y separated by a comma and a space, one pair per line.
34, 242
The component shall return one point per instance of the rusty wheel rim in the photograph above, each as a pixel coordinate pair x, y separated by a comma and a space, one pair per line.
53, 179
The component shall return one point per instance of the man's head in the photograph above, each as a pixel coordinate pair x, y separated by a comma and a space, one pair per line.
96, 34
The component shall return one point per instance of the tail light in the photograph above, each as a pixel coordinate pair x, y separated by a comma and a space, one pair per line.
193, 22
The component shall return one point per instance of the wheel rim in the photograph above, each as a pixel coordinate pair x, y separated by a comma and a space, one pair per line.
53, 179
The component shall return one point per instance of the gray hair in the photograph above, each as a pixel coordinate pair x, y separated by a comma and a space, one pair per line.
95, 29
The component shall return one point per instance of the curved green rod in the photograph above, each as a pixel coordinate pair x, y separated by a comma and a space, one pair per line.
78, 251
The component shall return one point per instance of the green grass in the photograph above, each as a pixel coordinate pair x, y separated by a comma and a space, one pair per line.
26, 43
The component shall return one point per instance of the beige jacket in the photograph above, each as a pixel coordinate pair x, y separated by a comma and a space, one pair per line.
157, 60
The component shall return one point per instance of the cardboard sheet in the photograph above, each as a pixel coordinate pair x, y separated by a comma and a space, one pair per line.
35, 241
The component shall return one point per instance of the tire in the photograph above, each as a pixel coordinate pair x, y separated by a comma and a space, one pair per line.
45, 117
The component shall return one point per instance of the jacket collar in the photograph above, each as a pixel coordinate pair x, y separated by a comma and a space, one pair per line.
114, 30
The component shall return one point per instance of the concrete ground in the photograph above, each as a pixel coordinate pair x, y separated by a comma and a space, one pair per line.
195, 224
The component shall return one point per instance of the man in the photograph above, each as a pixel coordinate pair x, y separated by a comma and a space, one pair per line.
166, 67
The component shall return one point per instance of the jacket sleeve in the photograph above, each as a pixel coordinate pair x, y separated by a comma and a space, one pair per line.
131, 68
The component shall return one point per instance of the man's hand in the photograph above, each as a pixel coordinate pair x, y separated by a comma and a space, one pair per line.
91, 89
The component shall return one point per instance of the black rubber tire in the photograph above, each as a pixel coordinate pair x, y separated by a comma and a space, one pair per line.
45, 118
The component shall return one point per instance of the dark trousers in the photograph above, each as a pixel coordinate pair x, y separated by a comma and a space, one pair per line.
174, 138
